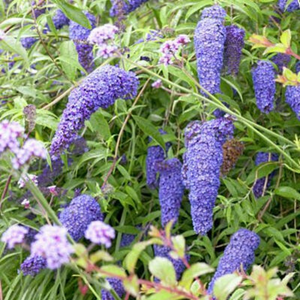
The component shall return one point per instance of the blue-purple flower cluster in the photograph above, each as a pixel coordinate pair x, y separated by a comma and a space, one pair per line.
171, 189
297, 67
163, 251
209, 39
60, 19
79, 35
292, 98
264, 182
201, 170
281, 60
154, 154
100, 89
117, 285
78, 215
33, 264
233, 49
122, 7
263, 76
238, 255
294, 5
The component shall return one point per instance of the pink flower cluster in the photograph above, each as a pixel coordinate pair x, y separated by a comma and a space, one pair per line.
102, 36
169, 48
52, 244
100, 233
9, 134
14, 235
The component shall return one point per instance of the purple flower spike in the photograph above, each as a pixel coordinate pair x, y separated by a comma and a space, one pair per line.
209, 39
171, 189
201, 170
78, 215
294, 5
60, 19
261, 183
154, 154
121, 7
233, 49
238, 255
100, 89
292, 98
100, 233
79, 35
117, 285
264, 85
14, 235
281, 60
52, 244
33, 265
297, 67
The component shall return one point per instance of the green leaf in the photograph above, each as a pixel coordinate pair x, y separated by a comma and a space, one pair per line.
150, 130
113, 270
131, 285
193, 272
278, 48
69, 59
163, 269
285, 38
225, 285
73, 13
287, 192
179, 245
10, 44
100, 255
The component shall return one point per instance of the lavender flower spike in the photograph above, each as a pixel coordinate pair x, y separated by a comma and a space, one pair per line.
52, 244
233, 49
261, 183
209, 39
171, 189
292, 98
79, 35
154, 154
238, 254
100, 89
100, 233
60, 19
264, 85
14, 235
78, 215
115, 284
294, 5
201, 170
33, 265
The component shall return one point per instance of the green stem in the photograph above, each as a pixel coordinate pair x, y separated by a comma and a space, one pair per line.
218, 104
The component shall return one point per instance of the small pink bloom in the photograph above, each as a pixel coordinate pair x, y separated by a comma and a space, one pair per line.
157, 84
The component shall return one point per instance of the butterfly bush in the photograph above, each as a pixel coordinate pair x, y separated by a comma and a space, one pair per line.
100, 233
60, 19
9, 134
79, 214
263, 182
201, 170
281, 60
79, 35
154, 154
297, 67
100, 89
238, 255
171, 189
294, 5
120, 7
52, 244
209, 40
117, 285
263, 76
14, 235
33, 265
233, 46
292, 98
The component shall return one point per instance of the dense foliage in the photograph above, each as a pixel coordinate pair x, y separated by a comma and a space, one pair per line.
148, 148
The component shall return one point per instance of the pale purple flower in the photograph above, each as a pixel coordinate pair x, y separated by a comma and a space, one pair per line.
14, 235
2, 35
31, 148
157, 84
182, 40
22, 181
52, 244
26, 203
102, 34
52, 190
106, 51
100, 233
166, 59
9, 134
